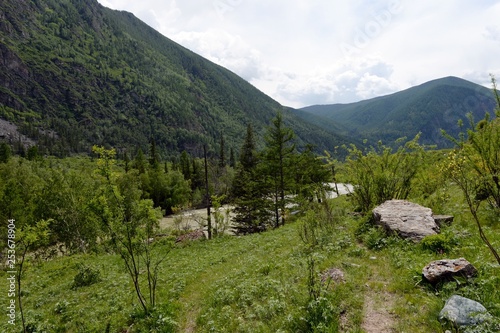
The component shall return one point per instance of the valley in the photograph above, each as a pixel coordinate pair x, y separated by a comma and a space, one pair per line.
114, 140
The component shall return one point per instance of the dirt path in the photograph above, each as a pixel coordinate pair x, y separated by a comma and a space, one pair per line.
378, 303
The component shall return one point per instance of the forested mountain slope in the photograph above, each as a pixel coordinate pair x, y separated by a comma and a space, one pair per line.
426, 108
74, 73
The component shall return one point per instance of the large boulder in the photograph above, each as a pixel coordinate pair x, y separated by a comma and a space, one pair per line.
461, 311
407, 219
446, 269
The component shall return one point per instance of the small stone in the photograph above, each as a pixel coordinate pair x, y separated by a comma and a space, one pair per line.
447, 269
442, 220
461, 311
191, 236
333, 274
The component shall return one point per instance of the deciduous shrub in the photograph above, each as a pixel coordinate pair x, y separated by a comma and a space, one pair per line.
439, 243
380, 174
86, 276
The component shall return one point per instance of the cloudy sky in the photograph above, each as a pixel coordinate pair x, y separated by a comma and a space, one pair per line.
304, 52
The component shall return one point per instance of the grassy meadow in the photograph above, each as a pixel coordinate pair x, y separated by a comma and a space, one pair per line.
263, 282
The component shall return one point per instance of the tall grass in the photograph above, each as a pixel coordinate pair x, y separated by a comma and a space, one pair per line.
261, 282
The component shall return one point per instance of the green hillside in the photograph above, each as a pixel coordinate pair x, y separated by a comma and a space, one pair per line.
86, 250
427, 108
259, 283
75, 73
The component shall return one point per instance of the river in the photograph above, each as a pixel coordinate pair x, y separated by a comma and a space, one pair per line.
197, 218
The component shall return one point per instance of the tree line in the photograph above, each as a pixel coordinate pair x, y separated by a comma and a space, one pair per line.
261, 184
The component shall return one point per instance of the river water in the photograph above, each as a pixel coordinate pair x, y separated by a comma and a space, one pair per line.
196, 218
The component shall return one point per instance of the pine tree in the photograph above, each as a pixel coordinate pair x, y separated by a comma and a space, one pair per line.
5, 152
126, 159
33, 153
232, 160
278, 155
154, 159
248, 155
311, 175
251, 209
222, 157
185, 165
140, 162
197, 178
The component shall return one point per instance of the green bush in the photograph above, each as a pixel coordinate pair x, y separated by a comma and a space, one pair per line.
439, 243
380, 174
86, 276
322, 315
159, 320
375, 238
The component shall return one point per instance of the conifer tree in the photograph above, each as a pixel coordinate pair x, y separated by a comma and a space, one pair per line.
222, 157
5, 152
185, 165
32, 153
278, 155
197, 178
140, 162
251, 209
154, 159
232, 160
126, 159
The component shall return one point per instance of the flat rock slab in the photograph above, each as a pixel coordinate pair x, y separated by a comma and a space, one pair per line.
442, 220
446, 269
407, 219
461, 311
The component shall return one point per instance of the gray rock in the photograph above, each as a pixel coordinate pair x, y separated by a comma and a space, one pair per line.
461, 311
442, 220
407, 219
446, 269
333, 274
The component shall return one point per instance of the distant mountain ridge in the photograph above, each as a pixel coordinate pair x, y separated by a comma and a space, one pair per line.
426, 108
88, 75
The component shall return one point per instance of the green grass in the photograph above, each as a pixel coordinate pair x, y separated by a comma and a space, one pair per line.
259, 283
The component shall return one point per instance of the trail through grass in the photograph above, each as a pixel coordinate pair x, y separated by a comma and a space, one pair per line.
378, 314
258, 283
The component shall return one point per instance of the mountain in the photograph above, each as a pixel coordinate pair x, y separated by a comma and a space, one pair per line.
427, 108
75, 74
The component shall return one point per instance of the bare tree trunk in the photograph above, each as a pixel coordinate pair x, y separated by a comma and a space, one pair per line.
207, 193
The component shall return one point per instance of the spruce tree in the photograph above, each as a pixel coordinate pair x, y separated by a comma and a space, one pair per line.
126, 159
140, 161
311, 175
154, 159
251, 209
278, 154
185, 165
222, 157
5, 152
232, 160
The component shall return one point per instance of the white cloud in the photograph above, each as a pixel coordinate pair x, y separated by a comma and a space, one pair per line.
302, 52
225, 49
372, 86
346, 81
492, 32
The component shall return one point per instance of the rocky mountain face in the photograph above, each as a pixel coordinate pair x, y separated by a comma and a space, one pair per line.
75, 73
